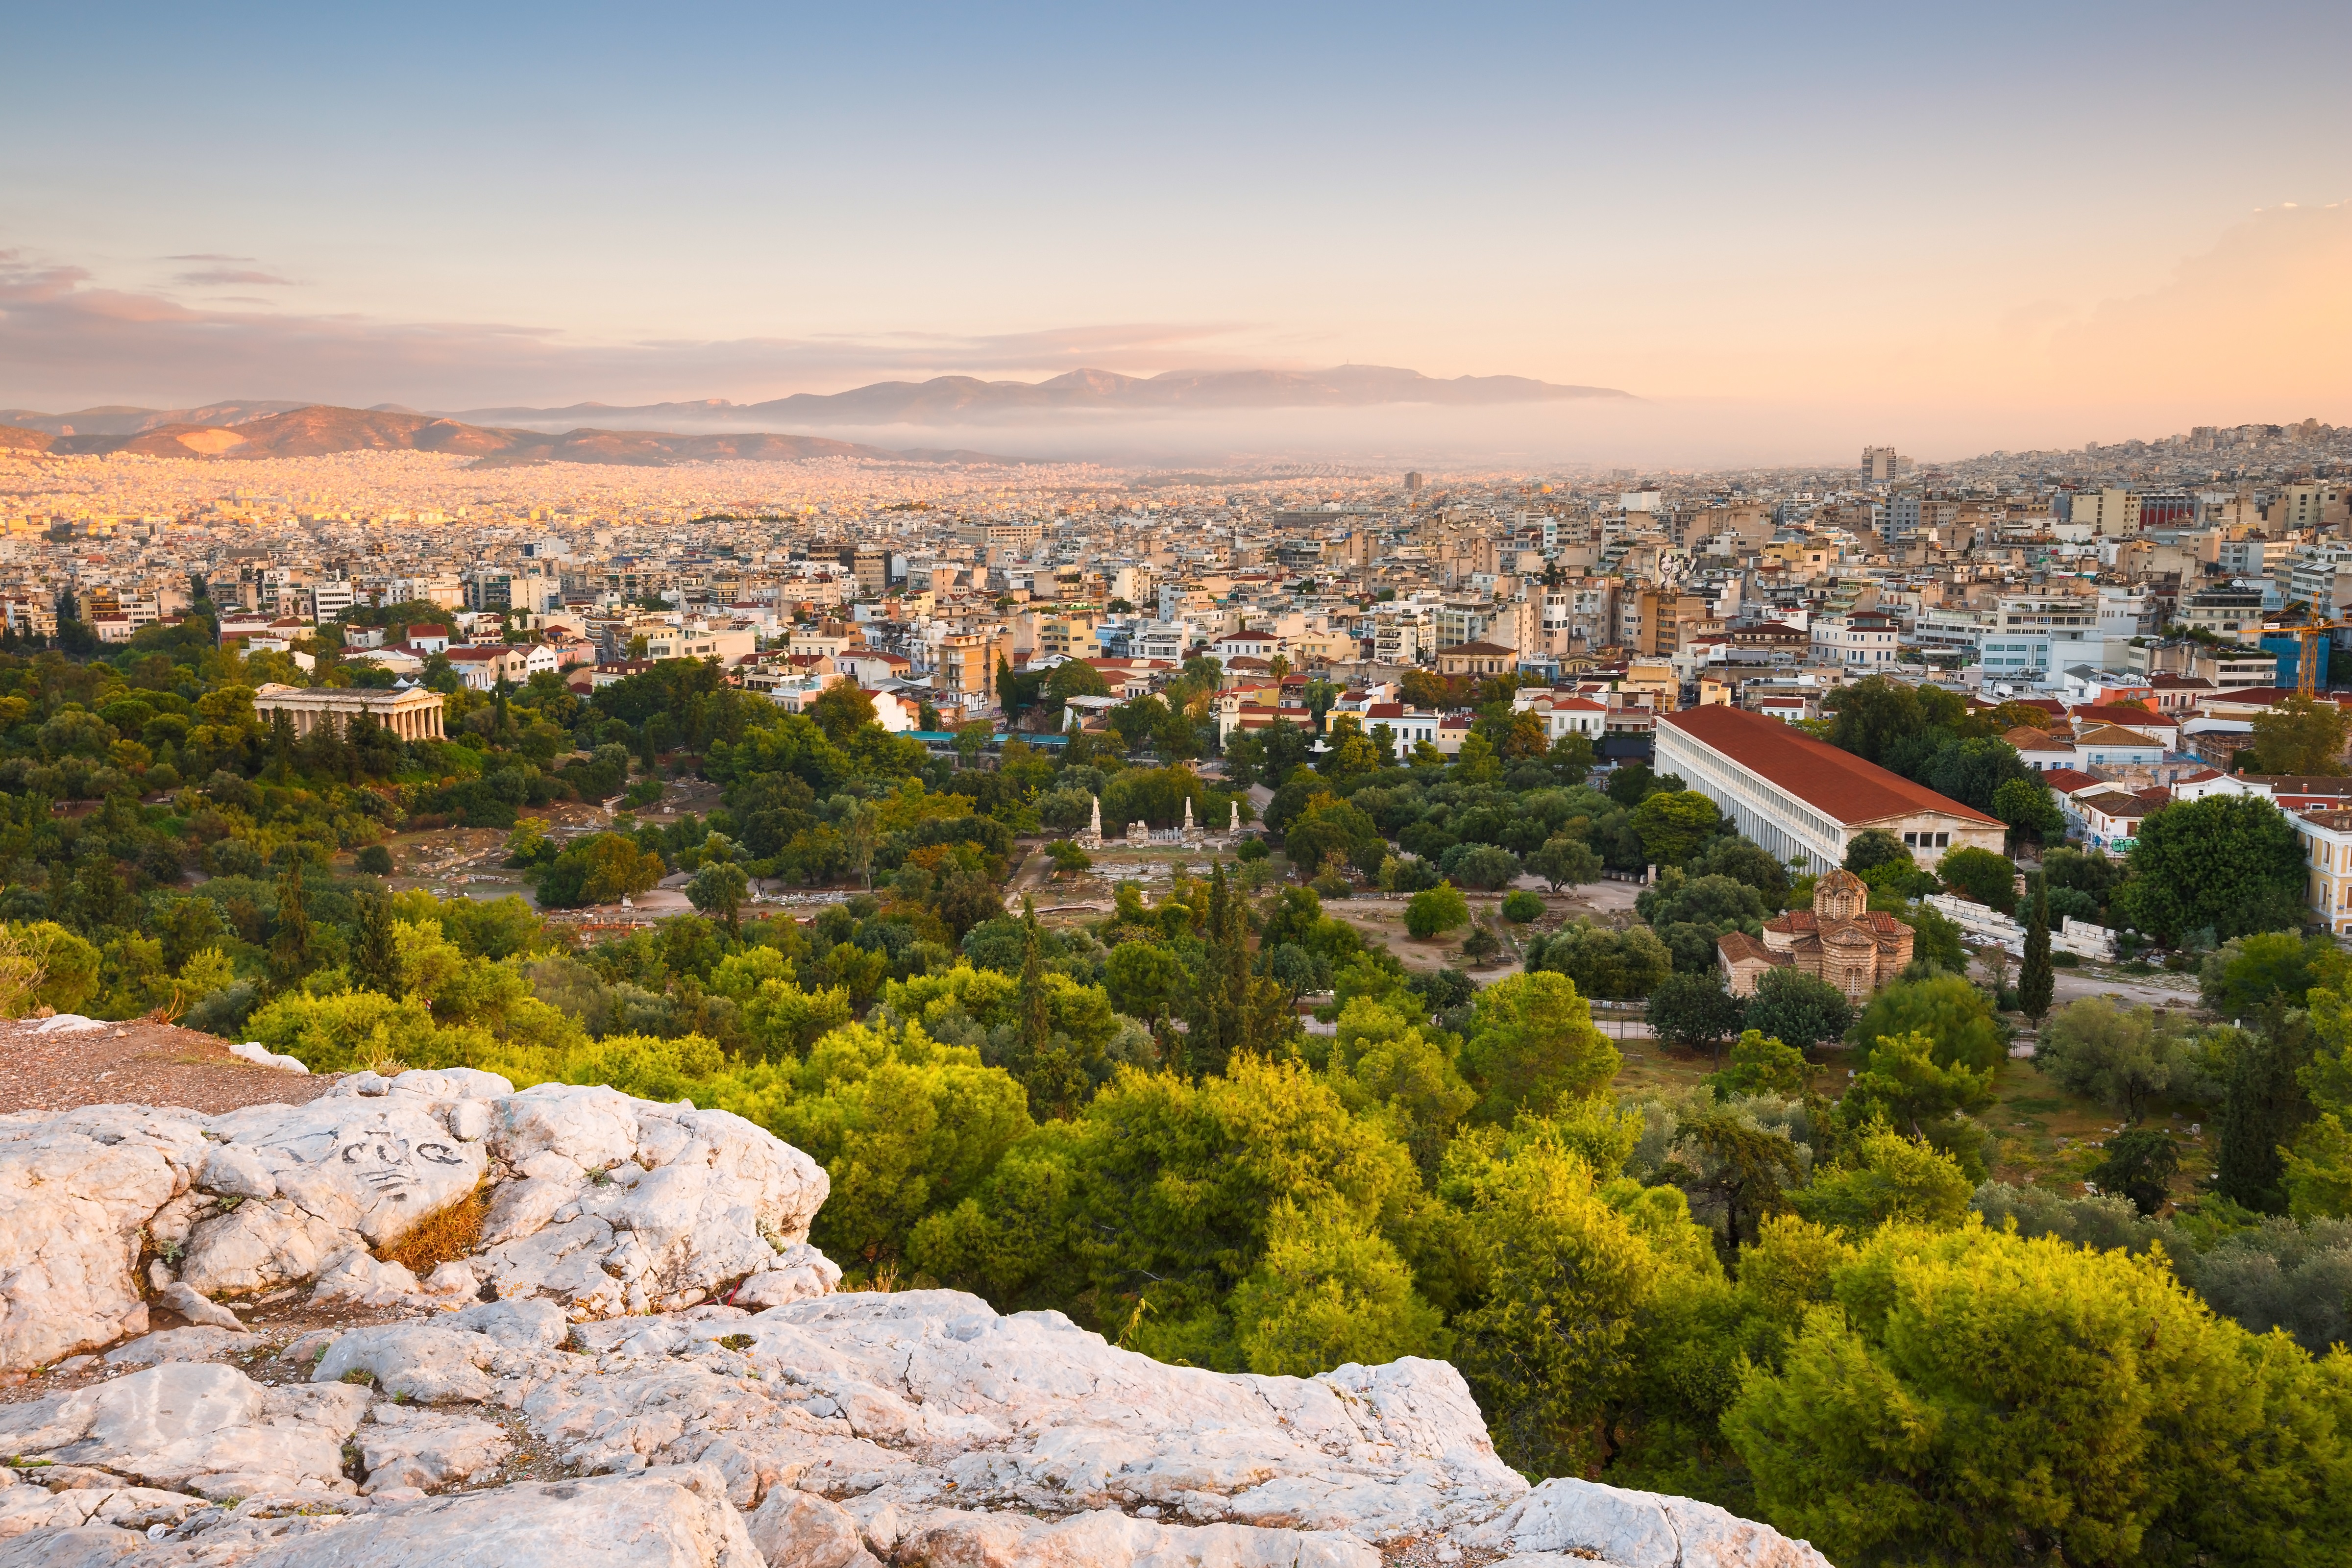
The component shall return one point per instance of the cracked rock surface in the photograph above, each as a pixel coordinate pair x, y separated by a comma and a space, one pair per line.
567, 1424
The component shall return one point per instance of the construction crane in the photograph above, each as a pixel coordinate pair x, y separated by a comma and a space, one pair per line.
2307, 639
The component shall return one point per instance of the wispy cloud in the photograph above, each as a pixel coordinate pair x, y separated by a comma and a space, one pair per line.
66, 339
232, 276
206, 256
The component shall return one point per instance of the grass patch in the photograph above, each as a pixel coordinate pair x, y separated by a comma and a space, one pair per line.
737, 1341
441, 1237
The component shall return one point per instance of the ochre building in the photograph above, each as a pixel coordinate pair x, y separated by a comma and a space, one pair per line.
1840, 940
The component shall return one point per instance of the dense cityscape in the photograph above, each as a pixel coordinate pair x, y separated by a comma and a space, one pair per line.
1514, 787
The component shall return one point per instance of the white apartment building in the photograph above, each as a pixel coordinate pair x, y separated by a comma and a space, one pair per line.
1858, 637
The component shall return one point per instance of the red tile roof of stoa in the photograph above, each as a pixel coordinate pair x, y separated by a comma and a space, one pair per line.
1837, 783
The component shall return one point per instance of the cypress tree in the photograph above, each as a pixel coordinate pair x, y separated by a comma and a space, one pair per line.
2035, 980
289, 949
375, 961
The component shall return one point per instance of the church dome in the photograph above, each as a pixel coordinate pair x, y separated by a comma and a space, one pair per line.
1840, 895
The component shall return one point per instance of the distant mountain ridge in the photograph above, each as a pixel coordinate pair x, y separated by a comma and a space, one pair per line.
320, 429
963, 399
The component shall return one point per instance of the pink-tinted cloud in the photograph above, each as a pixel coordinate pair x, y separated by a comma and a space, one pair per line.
64, 340
231, 277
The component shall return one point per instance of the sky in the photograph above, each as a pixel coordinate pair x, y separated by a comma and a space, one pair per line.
1787, 231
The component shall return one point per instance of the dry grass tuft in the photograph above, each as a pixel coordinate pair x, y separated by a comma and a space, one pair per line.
453, 1233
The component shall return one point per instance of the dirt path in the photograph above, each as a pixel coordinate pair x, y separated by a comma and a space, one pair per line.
137, 1063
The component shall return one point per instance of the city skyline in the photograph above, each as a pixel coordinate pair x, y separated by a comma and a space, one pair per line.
1782, 235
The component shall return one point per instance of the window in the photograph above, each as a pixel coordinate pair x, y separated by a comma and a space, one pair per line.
1942, 839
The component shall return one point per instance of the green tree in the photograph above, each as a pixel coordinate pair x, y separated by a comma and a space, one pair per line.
1565, 1275
1435, 910
2303, 735
1330, 1290
903, 1126
1971, 1396
2245, 972
1690, 913
2121, 1057
2141, 1165
375, 958
1802, 1009
1979, 874
2264, 1106
2036, 980
1957, 1016
1693, 1012
1903, 1085
1872, 848
2227, 863
1230, 1009
1885, 1176
1761, 1065
1674, 825
841, 710
1622, 965
1565, 861
289, 941
718, 890
1532, 1045
2025, 804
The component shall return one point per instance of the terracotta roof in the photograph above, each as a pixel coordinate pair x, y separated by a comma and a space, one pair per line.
2128, 714
2115, 735
2115, 802
1477, 647
2026, 738
1738, 947
2067, 781
2303, 784
1837, 783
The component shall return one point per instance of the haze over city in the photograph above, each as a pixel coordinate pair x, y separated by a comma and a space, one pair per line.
1779, 232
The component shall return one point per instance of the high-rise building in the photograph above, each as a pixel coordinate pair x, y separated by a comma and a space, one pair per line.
1881, 465
1413, 482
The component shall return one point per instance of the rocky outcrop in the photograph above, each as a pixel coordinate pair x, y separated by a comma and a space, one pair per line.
609, 1404
603, 1204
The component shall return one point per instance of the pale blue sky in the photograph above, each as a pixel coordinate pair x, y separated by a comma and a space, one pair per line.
1829, 205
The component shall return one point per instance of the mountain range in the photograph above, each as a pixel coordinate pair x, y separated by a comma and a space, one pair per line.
967, 400
318, 429
942, 400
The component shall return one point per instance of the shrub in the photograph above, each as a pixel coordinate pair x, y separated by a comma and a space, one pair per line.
375, 860
1522, 906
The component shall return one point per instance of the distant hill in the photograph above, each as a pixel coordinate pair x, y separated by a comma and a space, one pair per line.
318, 429
963, 399
114, 420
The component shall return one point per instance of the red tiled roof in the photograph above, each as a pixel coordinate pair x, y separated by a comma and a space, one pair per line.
2127, 714
1837, 783
1738, 947
2067, 781
2116, 735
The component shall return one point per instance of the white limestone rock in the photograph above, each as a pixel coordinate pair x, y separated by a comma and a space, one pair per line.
76, 1189
419, 1361
676, 1517
203, 1314
627, 1206
1110, 1539
1566, 1520
185, 1344
406, 1446
209, 1429
26, 1508
354, 1277
801, 1273
800, 1529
